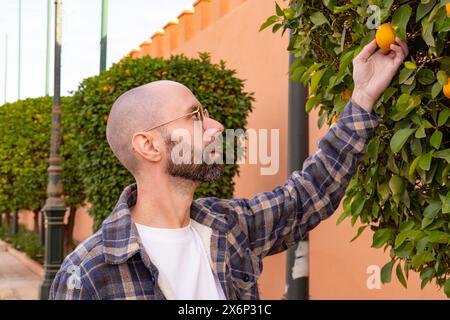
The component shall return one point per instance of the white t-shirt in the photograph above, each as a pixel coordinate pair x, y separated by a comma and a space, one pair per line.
180, 256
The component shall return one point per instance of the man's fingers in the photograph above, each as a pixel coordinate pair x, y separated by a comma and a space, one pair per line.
367, 51
403, 45
399, 55
398, 50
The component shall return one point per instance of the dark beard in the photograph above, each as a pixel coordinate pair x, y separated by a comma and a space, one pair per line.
197, 172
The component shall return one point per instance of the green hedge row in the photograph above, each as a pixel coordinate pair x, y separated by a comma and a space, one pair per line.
24, 151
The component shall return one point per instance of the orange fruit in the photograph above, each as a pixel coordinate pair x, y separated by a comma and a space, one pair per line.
347, 94
446, 89
447, 7
334, 119
385, 36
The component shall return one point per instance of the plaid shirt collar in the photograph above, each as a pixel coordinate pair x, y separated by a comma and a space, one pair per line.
121, 240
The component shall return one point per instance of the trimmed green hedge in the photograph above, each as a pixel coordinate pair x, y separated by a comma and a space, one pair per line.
401, 190
25, 241
24, 151
103, 176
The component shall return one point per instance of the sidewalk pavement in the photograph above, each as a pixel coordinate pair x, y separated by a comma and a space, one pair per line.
17, 282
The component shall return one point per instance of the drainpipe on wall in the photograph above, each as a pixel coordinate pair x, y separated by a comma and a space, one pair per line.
297, 264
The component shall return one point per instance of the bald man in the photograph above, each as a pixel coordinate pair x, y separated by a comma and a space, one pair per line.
159, 243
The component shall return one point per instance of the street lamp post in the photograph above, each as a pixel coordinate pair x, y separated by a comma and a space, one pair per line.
20, 50
47, 56
104, 35
6, 69
54, 207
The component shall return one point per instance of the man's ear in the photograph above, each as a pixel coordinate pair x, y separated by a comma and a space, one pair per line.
148, 146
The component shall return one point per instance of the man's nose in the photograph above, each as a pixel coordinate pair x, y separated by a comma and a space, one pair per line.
210, 123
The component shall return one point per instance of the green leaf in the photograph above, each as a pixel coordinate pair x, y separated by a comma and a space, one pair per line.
400, 20
278, 10
441, 76
438, 236
427, 32
330, 4
447, 287
312, 102
407, 225
315, 79
381, 237
360, 231
400, 276
443, 154
383, 191
426, 76
426, 222
435, 90
432, 209
421, 259
396, 185
318, 18
443, 117
386, 272
421, 244
271, 20
310, 71
357, 206
404, 105
425, 275
446, 203
276, 27
413, 166
289, 13
345, 61
405, 73
399, 139
420, 133
425, 160
410, 65
407, 234
436, 139
423, 9
416, 147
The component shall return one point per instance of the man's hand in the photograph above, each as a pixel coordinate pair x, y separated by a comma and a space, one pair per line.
372, 73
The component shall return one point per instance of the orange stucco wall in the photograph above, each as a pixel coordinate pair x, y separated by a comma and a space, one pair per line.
228, 29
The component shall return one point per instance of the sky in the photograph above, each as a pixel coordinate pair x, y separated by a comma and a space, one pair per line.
130, 22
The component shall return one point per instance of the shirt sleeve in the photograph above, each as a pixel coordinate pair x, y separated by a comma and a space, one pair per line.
274, 221
71, 283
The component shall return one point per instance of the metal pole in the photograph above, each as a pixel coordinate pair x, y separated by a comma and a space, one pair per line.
6, 68
47, 60
42, 229
54, 207
15, 224
297, 264
104, 35
20, 49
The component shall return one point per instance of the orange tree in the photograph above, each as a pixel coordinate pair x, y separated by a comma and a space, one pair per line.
401, 188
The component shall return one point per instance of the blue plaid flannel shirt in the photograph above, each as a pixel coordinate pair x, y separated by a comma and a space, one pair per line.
112, 263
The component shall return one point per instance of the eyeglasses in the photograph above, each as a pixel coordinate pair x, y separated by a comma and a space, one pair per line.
200, 114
